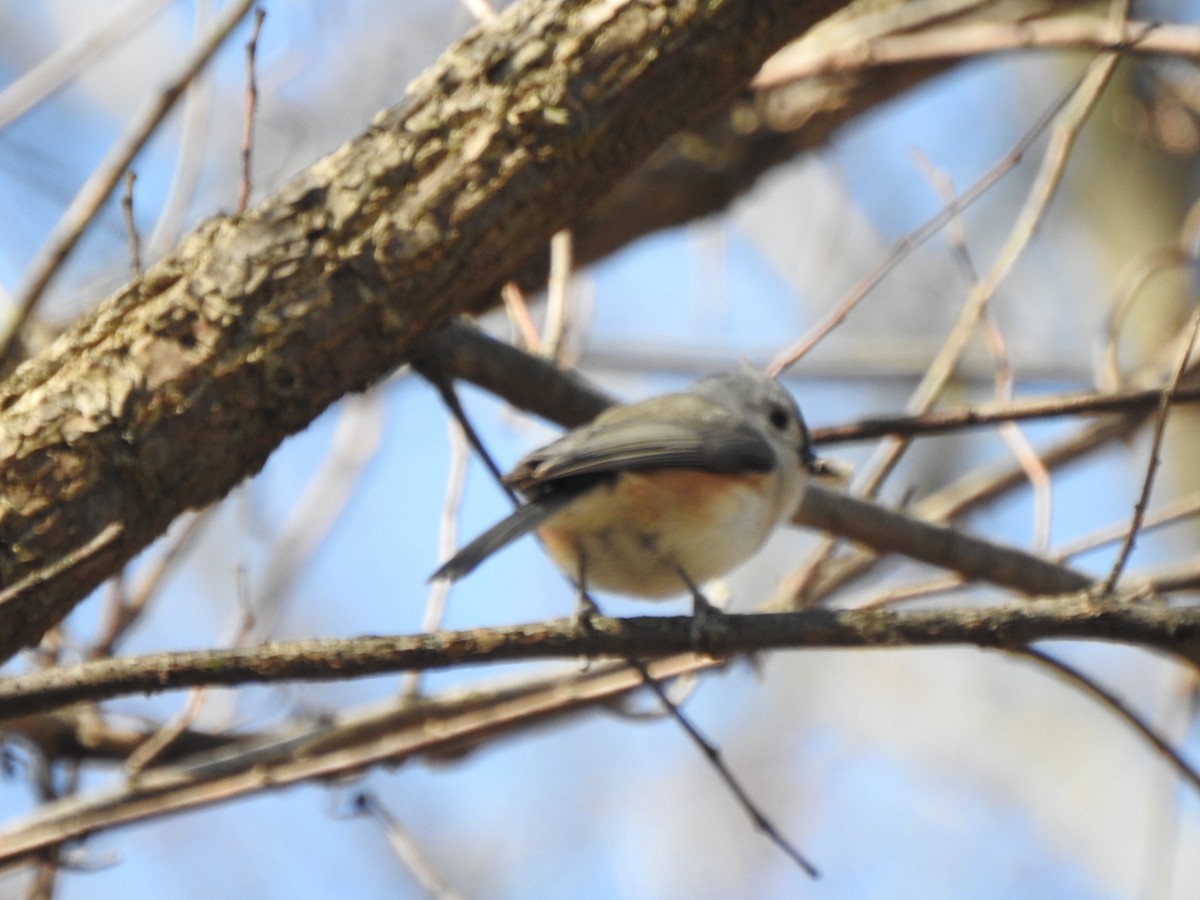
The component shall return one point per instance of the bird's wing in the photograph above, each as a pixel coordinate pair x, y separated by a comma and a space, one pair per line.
626, 438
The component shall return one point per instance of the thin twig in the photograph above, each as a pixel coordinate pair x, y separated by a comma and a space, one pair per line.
450, 398
155, 745
517, 308
1063, 134
975, 40
1023, 452
944, 421
482, 10
1163, 838
197, 107
356, 440
131, 230
1110, 700
1168, 514
66, 566
902, 248
439, 589
906, 594
129, 605
448, 531
1160, 424
68, 60
558, 287
91, 197
46, 875
251, 107
717, 761
1129, 288
1068, 117
406, 848
158, 743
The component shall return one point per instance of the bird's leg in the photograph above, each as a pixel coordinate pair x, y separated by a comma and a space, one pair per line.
585, 607
705, 616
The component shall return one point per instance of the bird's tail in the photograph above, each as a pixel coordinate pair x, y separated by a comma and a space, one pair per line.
523, 520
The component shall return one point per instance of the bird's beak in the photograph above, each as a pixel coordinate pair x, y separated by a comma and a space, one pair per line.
831, 472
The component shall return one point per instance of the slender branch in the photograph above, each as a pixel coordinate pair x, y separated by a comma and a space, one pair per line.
1068, 118
903, 247
523, 380
67, 61
406, 848
251, 108
1160, 424
130, 603
1171, 630
1171, 513
1107, 698
713, 756
356, 440
131, 229
558, 295
989, 415
190, 155
975, 40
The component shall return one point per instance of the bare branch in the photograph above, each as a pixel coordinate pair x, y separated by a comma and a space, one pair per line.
131, 229
251, 108
975, 40
1172, 630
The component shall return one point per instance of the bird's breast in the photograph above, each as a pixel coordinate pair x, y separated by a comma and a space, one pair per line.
633, 534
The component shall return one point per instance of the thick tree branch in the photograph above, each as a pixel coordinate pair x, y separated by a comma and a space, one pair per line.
257, 323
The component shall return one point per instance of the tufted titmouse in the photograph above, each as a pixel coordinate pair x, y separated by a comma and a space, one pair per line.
653, 498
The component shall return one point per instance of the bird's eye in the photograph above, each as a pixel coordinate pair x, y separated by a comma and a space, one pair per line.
778, 417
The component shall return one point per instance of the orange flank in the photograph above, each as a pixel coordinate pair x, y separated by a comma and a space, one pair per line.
715, 522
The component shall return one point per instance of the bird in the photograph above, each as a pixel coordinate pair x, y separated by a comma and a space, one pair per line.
654, 498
